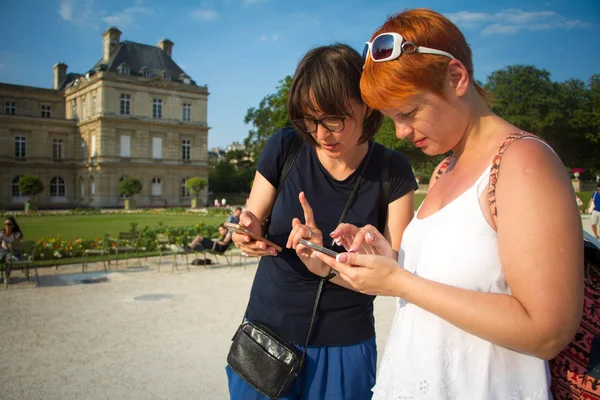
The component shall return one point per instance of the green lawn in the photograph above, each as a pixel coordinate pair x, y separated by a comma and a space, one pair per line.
94, 226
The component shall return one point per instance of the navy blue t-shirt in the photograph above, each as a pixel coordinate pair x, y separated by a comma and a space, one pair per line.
284, 290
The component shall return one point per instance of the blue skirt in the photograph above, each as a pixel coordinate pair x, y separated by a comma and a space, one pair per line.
330, 373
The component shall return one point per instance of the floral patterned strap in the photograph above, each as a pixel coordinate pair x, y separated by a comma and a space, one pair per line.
443, 166
495, 169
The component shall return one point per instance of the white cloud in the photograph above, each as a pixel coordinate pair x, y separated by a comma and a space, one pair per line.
128, 16
512, 20
85, 13
204, 14
66, 10
269, 38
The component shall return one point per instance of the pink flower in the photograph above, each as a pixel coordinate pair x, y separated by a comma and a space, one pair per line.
579, 170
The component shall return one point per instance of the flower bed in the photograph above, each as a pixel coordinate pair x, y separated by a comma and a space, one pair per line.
211, 212
58, 248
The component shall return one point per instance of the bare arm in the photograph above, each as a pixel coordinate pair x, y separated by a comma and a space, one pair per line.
541, 257
400, 213
262, 197
225, 241
260, 203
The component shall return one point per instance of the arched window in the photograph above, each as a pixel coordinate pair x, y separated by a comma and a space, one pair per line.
15, 187
82, 187
57, 187
156, 187
92, 184
184, 191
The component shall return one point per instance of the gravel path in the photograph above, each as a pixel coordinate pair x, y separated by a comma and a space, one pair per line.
137, 334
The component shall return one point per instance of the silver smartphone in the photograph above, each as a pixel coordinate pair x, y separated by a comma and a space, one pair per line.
318, 248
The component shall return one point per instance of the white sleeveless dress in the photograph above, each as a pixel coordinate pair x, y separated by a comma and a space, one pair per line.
428, 358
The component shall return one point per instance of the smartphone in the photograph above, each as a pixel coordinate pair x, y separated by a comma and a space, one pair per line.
245, 231
318, 248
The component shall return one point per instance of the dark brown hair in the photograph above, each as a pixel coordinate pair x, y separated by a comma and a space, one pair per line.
16, 228
325, 80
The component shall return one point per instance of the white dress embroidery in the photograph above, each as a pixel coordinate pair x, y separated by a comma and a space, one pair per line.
428, 358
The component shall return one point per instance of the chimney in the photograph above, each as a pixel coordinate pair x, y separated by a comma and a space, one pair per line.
110, 42
60, 75
167, 46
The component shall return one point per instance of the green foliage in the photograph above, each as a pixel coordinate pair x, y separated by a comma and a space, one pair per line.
195, 185
270, 116
59, 248
564, 114
30, 185
231, 177
130, 186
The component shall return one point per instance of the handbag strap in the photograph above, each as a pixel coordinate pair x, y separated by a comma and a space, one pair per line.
290, 158
322, 280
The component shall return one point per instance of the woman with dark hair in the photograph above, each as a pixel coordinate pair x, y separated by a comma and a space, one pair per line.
337, 128
488, 286
9, 236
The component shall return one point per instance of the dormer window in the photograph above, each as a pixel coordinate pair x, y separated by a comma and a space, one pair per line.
145, 72
185, 79
124, 70
165, 75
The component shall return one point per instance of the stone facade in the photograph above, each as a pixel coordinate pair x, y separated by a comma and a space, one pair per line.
92, 130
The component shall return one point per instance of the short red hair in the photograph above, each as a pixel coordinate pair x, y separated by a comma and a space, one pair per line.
387, 84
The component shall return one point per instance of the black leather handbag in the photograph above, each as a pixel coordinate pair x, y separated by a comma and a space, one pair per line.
264, 360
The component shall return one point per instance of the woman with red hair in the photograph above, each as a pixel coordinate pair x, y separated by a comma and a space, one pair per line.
489, 272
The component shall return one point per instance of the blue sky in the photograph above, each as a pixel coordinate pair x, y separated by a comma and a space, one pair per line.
242, 48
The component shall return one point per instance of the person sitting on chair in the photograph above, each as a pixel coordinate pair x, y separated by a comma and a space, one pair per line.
10, 235
235, 217
200, 243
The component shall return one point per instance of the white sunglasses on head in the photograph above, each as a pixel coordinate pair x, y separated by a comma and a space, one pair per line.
390, 46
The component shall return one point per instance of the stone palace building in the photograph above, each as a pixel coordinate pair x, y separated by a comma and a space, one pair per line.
135, 113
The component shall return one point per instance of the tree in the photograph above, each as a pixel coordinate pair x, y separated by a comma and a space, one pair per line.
526, 97
270, 116
130, 186
195, 185
222, 178
560, 113
30, 186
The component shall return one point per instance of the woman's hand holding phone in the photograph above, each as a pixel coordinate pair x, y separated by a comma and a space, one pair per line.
310, 232
250, 246
365, 240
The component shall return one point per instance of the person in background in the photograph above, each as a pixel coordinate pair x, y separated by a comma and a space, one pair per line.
220, 245
337, 128
10, 235
594, 208
235, 217
489, 287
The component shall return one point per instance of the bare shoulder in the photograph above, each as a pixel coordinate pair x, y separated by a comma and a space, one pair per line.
532, 159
